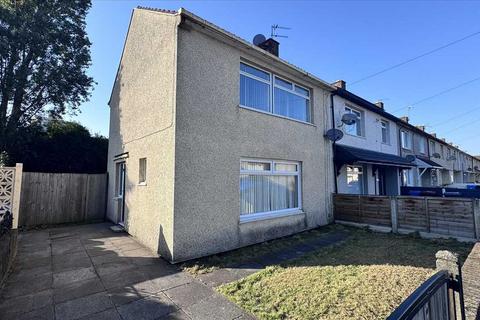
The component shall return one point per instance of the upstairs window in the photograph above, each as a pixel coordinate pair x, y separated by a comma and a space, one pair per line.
254, 88
422, 147
406, 140
291, 100
356, 128
385, 131
265, 92
432, 147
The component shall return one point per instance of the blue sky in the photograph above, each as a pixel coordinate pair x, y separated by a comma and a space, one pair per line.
335, 40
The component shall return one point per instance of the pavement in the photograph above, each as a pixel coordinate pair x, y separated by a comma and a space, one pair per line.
90, 272
236, 272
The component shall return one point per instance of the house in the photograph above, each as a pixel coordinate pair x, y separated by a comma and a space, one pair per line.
367, 158
215, 143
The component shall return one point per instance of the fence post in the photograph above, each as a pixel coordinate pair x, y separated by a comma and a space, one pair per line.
394, 214
427, 214
476, 217
446, 260
17, 191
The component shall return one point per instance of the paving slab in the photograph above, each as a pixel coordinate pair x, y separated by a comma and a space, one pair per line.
189, 294
20, 288
81, 307
45, 313
149, 308
71, 261
109, 314
215, 307
26, 303
77, 289
177, 315
66, 277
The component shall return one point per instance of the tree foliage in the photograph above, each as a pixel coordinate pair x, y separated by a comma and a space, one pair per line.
44, 55
59, 146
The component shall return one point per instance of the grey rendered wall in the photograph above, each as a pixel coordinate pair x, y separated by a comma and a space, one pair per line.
142, 123
213, 133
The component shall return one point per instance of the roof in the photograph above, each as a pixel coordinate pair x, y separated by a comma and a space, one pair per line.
350, 155
206, 24
429, 163
374, 108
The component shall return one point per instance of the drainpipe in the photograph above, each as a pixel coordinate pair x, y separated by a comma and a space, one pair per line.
334, 143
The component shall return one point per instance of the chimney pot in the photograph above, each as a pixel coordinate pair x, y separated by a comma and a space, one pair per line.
421, 127
404, 119
380, 105
340, 84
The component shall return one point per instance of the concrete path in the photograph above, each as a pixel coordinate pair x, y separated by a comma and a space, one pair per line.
236, 272
471, 283
89, 272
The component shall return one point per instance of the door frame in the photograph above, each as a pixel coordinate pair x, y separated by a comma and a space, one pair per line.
120, 175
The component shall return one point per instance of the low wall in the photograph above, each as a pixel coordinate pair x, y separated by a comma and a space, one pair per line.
453, 217
8, 249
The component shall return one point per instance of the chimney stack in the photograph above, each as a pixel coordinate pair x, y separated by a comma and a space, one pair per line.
404, 119
421, 127
271, 46
380, 105
340, 84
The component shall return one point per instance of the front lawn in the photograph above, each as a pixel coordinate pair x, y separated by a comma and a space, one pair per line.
366, 277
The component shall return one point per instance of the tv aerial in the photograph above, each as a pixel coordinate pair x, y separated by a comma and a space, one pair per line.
274, 32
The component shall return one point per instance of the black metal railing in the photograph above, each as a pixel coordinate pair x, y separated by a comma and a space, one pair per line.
436, 298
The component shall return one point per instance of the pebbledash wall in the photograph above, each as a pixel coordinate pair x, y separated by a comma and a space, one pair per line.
194, 133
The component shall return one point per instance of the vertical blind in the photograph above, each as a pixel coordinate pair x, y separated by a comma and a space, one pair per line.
264, 188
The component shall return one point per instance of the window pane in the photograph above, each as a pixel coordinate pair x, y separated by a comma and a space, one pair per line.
263, 193
142, 174
254, 71
290, 105
302, 91
286, 167
283, 83
255, 166
354, 180
254, 93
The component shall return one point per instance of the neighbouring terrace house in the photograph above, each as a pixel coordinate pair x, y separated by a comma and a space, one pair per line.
414, 145
366, 158
215, 143
441, 153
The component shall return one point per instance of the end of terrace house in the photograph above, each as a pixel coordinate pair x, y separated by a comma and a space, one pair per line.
215, 143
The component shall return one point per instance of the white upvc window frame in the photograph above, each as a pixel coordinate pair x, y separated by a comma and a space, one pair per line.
422, 145
272, 86
408, 134
142, 171
277, 213
359, 123
384, 124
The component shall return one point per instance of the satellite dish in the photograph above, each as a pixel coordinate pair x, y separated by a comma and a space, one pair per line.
259, 38
410, 157
334, 134
476, 168
436, 155
349, 118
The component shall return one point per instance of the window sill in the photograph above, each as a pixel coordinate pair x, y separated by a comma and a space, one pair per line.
276, 115
355, 136
143, 184
269, 215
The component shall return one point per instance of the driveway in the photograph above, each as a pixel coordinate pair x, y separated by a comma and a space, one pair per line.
90, 272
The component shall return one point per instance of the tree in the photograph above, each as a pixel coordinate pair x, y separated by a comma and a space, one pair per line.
59, 146
44, 56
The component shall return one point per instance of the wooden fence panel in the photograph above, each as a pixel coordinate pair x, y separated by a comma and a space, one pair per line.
376, 210
443, 216
452, 217
51, 198
412, 214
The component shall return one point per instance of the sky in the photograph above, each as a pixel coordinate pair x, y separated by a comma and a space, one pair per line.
334, 40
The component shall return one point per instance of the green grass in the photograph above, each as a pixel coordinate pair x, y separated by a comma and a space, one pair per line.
366, 277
